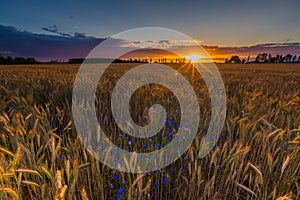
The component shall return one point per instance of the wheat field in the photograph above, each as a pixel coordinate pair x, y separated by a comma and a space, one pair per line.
256, 157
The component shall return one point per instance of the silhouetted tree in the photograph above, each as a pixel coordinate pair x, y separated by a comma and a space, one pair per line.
2, 60
248, 59
30, 60
287, 58
270, 57
264, 57
19, 60
273, 60
258, 58
9, 60
261, 58
234, 59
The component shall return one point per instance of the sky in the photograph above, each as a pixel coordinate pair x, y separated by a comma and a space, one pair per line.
231, 23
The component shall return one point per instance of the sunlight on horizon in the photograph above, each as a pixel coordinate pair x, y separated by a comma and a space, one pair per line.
193, 58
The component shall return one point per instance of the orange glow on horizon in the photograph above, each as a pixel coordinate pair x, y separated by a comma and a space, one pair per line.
194, 57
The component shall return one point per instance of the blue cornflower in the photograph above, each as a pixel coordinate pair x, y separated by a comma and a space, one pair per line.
165, 180
121, 190
119, 197
181, 169
118, 176
169, 133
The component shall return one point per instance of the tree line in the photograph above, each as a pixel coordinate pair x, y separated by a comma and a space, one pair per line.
128, 60
266, 58
17, 60
260, 58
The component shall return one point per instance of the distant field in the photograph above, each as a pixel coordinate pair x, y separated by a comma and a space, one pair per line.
257, 156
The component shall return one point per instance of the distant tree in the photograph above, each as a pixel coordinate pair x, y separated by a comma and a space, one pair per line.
273, 60
262, 57
287, 58
234, 59
258, 58
9, 60
74, 60
281, 59
270, 57
265, 58
278, 58
30, 60
2, 60
248, 59
19, 60
294, 58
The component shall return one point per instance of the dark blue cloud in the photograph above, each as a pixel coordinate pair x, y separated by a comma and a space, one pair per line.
14, 42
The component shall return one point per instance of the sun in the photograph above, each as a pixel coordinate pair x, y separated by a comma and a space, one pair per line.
193, 57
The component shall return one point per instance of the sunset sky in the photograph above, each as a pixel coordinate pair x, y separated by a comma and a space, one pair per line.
63, 29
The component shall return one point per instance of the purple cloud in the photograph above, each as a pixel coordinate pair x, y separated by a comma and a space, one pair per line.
45, 47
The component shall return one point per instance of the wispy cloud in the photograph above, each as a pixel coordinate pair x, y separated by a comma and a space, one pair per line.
5, 52
160, 44
54, 29
80, 35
